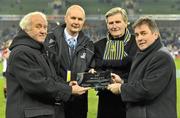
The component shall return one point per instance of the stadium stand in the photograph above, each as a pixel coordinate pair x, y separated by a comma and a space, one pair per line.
166, 12
90, 6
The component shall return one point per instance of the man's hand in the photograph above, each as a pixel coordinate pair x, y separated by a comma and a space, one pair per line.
115, 88
6, 53
71, 83
116, 78
78, 90
92, 71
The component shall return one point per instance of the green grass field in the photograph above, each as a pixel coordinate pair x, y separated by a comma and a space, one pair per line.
92, 101
178, 97
178, 88
2, 100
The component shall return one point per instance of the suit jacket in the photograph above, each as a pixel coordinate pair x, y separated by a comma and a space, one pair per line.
111, 105
151, 88
34, 89
81, 61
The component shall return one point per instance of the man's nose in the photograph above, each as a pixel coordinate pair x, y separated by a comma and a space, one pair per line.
114, 25
139, 37
43, 30
76, 21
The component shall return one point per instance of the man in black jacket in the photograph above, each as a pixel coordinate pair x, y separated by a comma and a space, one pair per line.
72, 52
151, 88
34, 89
114, 53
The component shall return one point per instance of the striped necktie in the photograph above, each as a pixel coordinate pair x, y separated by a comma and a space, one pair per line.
71, 43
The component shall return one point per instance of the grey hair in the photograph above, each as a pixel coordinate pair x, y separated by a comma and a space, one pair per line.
148, 21
117, 10
26, 20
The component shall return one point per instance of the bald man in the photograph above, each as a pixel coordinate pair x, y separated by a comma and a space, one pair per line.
72, 52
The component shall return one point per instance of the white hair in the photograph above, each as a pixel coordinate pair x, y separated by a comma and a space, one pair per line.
26, 20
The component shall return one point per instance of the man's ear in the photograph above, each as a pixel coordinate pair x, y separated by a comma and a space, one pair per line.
127, 25
65, 18
157, 34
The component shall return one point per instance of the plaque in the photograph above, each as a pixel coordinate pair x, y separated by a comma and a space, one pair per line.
98, 80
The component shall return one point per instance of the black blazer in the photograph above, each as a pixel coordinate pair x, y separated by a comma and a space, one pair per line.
111, 105
32, 84
81, 61
151, 88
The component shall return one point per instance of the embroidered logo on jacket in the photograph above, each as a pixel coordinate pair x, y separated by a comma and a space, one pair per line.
83, 56
51, 41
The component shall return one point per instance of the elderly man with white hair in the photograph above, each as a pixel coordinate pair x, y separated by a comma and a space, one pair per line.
34, 89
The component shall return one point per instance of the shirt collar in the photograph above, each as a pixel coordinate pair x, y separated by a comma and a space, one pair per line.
68, 36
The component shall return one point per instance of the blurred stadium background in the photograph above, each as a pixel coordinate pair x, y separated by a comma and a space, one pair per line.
165, 12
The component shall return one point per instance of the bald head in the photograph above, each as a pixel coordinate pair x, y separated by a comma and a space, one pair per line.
75, 7
74, 19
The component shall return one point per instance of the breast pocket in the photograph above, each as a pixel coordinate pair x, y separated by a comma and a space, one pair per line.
39, 113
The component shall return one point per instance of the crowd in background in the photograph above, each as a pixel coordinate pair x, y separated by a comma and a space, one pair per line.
170, 36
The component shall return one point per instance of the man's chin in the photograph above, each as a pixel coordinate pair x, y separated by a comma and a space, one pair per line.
75, 30
142, 48
41, 40
116, 35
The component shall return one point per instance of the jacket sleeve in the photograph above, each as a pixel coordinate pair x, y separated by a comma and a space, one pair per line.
157, 76
99, 50
90, 55
34, 80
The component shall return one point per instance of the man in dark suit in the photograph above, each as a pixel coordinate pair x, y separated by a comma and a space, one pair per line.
151, 88
34, 89
71, 51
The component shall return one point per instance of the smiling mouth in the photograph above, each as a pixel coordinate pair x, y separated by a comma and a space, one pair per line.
75, 26
42, 36
141, 44
115, 30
